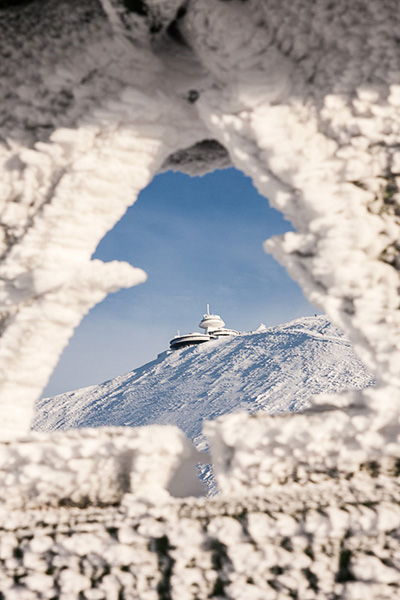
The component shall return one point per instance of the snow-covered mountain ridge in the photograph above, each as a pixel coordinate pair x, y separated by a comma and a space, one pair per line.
275, 369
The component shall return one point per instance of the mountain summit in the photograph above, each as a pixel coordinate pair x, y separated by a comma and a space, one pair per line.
274, 369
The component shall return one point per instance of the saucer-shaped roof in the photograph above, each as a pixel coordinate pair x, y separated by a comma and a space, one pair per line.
211, 322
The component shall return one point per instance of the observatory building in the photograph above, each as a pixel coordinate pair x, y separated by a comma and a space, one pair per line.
214, 327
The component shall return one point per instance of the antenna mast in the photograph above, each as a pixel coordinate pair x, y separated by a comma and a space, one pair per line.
208, 309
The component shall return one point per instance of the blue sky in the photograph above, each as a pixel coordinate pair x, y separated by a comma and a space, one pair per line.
200, 241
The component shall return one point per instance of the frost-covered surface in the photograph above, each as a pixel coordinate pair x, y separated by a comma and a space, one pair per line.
305, 98
303, 95
323, 442
276, 369
98, 467
333, 535
80, 138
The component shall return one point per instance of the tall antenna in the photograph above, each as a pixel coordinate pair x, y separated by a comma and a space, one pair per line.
208, 309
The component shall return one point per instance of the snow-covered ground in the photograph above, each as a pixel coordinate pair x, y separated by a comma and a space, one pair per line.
274, 370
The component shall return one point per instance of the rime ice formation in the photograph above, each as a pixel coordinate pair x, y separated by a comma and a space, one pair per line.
71, 529
99, 467
303, 96
81, 136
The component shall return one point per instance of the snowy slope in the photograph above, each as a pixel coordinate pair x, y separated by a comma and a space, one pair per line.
273, 369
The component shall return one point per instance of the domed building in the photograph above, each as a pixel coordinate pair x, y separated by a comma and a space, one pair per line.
214, 328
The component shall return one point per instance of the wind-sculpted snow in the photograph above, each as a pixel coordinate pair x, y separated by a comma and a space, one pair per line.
275, 369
